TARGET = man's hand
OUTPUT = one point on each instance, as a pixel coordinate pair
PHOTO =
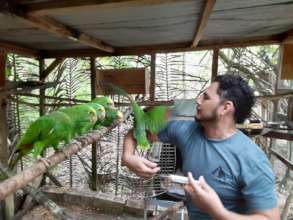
(140, 166)
(203, 196)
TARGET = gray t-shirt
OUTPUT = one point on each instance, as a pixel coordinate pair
(236, 168)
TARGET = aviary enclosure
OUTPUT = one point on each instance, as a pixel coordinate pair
(181, 45)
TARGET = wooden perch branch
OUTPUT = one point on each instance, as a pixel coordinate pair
(20, 180)
(38, 196)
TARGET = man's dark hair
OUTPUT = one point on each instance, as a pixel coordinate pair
(235, 88)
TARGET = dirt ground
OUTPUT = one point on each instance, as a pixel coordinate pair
(76, 213)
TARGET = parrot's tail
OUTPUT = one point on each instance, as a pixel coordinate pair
(118, 90)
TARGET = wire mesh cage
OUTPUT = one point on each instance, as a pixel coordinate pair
(164, 154)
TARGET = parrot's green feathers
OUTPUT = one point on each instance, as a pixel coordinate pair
(156, 118)
(100, 111)
(47, 131)
(83, 117)
(105, 101)
(111, 116)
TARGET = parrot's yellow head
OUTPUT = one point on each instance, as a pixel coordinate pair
(120, 116)
(93, 116)
(101, 114)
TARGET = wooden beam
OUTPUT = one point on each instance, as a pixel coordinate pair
(94, 144)
(276, 96)
(165, 48)
(287, 162)
(10, 47)
(215, 64)
(53, 26)
(52, 66)
(6, 207)
(2, 69)
(42, 109)
(280, 134)
(153, 77)
(43, 7)
(288, 36)
(207, 10)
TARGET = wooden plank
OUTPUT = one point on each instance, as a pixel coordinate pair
(166, 48)
(52, 66)
(215, 63)
(43, 7)
(53, 26)
(132, 80)
(287, 61)
(11, 47)
(207, 10)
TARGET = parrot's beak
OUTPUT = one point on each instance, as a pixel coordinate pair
(102, 114)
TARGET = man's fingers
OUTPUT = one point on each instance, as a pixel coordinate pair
(203, 183)
(150, 171)
(192, 181)
(149, 163)
(189, 189)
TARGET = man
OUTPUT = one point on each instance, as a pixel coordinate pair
(235, 178)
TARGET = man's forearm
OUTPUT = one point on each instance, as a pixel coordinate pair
(128, 146)
(266, 215)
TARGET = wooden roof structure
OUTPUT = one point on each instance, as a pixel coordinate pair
(80, 28)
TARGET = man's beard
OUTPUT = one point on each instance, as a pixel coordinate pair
(211, 118)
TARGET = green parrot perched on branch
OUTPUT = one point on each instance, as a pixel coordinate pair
(105, 101)
(101, 113)
(151, 121)
(83, 117)
(112, 113)
(48, 130)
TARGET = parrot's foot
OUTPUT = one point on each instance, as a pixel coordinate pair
(45, 161)
(77, 143)
(66, 154)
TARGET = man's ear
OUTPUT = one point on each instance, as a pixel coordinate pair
(228, 107)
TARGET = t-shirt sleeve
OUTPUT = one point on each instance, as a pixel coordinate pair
(258, 186)
(168, 134)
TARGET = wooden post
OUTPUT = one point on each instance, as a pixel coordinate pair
(7, 206)
(94, 145)
(153, 77)
(42, 109)
(215, 63)
(42, 91)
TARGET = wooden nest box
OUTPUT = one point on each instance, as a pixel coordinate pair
(132, 80)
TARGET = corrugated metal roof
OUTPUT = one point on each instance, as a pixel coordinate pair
(134, 24)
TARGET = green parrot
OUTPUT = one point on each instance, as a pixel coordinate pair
(112, 113)
(105, 101)
(111, 116)
(83, 117)
(152, 120)
(48, 130)
(101, 113)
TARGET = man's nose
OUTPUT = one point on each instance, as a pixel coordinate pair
(198, 100)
